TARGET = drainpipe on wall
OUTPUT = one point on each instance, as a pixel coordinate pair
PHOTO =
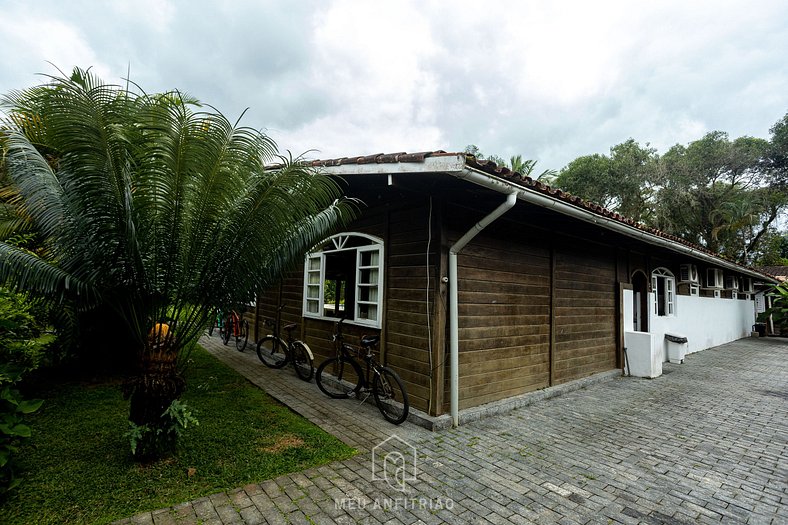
(454, 330)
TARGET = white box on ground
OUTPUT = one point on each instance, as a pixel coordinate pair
(643, 357)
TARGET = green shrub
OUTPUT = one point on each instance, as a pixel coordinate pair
(12, 424)
(779, 308)
(23, 348)
(23, 342)
(148, 442)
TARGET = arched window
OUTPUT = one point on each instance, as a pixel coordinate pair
(663, 284)
(343, 277)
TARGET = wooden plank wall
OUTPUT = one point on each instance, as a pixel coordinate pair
(405, 339)
(584, 289)
(504, 308)
(407, 306)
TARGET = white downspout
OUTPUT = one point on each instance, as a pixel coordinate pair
(454, 330)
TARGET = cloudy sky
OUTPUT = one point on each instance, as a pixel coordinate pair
(548, 80)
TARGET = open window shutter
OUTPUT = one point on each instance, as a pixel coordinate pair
(656, 295)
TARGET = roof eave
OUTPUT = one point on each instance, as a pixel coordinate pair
(455, 165)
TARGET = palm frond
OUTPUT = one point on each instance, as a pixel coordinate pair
(153, 204)
(24, 272)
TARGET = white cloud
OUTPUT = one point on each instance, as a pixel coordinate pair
(30, 41)
(551, 81)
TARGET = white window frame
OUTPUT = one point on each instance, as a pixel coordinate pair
(315, 265)
(669, 297)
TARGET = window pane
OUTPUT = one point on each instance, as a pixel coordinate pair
(661, 295)
(370, 258)
(314, 263)
(314, 278)
(312, 307)
(368, 276)
(313, 292)
(368, 293)
(368, 311)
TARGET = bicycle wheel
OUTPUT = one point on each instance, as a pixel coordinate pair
(338, 378)
(243, 336)
(390, 395)
(227, 330)
(272, 352)
(302, 360)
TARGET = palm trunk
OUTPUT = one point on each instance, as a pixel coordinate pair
(158, 384)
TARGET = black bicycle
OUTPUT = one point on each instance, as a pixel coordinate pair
(341, 377)
(275, 352)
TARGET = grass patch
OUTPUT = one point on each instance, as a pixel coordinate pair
(77, 467)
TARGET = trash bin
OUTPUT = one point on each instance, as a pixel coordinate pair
(760, 328)
(677, 347)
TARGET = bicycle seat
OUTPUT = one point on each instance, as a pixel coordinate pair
(369, 340)
(290, 327)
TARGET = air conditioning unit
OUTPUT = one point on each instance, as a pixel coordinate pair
(688, 273)
(694, 290)
(714, 279)
(745, 285)
(731, 282)
(734, 294)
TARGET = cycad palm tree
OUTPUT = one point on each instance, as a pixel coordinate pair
(526, 167)
(154, 209)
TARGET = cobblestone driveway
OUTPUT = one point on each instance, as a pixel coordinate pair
(705, 443)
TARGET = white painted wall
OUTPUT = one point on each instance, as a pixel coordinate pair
(705, 321)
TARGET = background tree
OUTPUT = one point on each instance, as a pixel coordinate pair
(715, 192)
(473, 149)
(776, 161)
(622, 181)
(152, 209)
(727, 195)
(525, 167)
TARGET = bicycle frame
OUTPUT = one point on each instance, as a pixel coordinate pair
(349, 351)
(276, 324)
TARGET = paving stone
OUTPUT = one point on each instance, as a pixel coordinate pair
(164, 517)
(704, 443)
(146, 518)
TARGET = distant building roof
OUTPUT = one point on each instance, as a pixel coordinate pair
(779, 272)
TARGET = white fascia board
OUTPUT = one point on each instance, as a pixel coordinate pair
(445, 164)
(546, 201)
(454, 165)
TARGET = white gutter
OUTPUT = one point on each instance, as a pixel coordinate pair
(454, 329)
(502, 186)
(455, 166)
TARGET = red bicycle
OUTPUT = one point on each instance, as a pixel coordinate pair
(235, 326)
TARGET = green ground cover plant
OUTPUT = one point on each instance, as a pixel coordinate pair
(77, 466)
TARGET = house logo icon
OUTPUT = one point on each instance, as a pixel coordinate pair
(394, 461)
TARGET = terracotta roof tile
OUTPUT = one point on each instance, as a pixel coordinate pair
(491, 168)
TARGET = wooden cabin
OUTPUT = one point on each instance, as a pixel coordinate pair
(544, 293)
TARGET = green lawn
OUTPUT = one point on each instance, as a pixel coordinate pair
(77, 466)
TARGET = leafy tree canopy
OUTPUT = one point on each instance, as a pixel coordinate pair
(724, 194)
